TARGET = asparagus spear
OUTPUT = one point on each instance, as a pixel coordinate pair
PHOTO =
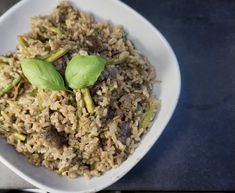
(23, 45)
(13, 132)
(80, 103)
(40, 103)
(56, 30)
(10, 86)
(122, 58)
(44, 57)
(147, 117)
(19, 136)
(6, 60)
(55, 55)
(88, 100)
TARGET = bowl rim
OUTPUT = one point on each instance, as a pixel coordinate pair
(166, 121)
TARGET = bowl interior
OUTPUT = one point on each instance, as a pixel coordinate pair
(150, 43)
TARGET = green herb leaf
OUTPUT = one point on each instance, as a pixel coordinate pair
(83, 71)
(42, 74)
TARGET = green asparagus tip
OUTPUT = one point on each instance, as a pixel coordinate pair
(23, 45)
(147, 117)
(57, 54)
(56, 30)
(88, 100)
(10, 86)
(121, 59)
(19, 136)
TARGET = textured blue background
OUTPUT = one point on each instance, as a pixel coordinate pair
(197, 149)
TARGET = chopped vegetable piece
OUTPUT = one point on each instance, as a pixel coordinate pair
(23, 45)
(121, 59)
(40, 103)
(80, 106)
(33, 93)
(10, 86)
(5, 116)
(19, 136)
(5, 59)
(64, 169)
(56, 30)
(88, 100)
(57, 54)
(44, 57)
(80, 103)
(12, 132)
(147, 117)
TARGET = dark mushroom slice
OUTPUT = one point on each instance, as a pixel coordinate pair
(55, 138)
(125, 132)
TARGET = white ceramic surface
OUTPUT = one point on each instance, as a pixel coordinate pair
(145, 37)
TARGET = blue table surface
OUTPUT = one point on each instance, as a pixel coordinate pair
(197, 149)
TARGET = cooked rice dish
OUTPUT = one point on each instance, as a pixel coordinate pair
(84, 131)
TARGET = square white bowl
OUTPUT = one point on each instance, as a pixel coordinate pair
(147, 40)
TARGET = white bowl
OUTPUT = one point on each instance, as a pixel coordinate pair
(146, 38)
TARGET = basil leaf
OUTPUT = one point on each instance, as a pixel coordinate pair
(83, 71)
(42, 74)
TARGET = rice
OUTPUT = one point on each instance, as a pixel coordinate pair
(47, 127)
